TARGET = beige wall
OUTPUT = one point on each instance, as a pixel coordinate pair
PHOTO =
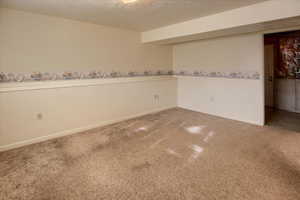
(226, 54)
(39, 43)
(287, 94)
(33, 42)
(73, 109)
(238, 99)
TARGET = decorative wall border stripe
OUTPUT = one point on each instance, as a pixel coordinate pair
(47, 76)
(229, 75)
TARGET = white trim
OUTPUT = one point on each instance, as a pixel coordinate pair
(224, 117)
(76, 130)
(22, 86)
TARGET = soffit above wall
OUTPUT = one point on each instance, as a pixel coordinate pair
(265, 16)
(141, 16)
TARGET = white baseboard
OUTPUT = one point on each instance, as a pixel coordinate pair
(225, 117)
(76, 130)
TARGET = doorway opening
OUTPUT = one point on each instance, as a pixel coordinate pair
(282, 80)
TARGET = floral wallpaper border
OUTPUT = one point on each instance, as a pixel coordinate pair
(47, 76)
(229, 75)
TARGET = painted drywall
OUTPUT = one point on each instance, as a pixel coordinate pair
(287, 94)
(238, 99)
(253, 18)
(74, 109)
(39, 43)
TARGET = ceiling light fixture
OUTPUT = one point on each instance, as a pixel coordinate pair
(129, 1)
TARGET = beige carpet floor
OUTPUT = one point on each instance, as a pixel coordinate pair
(174, 154)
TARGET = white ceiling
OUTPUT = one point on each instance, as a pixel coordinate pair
(143, 15)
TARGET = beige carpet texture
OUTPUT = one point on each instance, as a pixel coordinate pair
(171, 155)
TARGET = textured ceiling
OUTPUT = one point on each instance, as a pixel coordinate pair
(142, 15)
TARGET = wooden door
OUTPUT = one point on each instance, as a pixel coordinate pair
(269, 75)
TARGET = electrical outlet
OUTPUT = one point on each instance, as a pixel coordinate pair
(156, 97)
(39, 116)
(212, 99)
